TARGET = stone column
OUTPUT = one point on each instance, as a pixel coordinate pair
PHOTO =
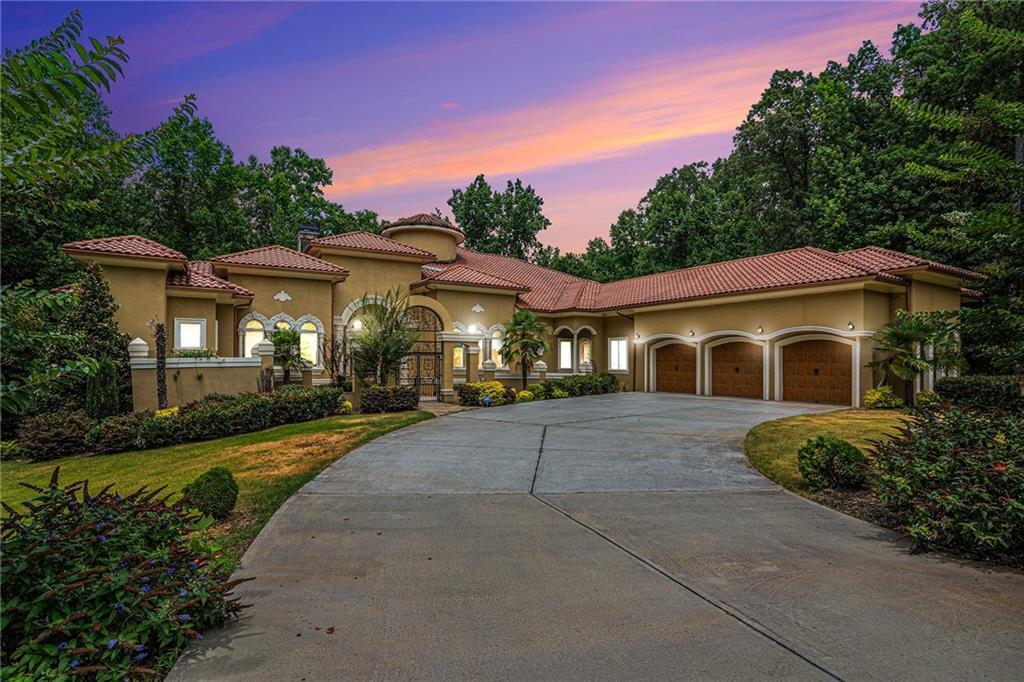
(472, 363)
(143, 379)
(586, 367)
(575, 353)
(264, 350)
(541, 368)
(447, 391)
(487, 369)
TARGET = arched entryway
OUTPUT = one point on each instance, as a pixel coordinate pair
(816, 369)
(422, 367)
(675, 368)
(736, 368)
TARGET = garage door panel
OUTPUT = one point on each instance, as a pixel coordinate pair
(818, 371)
(676, 368)
(737, 370)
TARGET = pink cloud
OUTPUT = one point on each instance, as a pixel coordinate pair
(450, 105)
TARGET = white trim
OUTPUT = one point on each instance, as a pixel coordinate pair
(559, 354)
(216, 336)
(280, 317)
(854, 361)
(201, 321)
(457, 236)
(742, 338)
(184, 363)
(612, 370)
(246, 319)
(845, 333)
(355, 305)
(560, 328)
(586, 327)
(459, 336)
(652, 362)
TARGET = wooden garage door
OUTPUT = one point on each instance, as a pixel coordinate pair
(676, 368)
(817, 371)
(737, 369)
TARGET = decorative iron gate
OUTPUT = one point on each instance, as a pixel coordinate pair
(422, 366)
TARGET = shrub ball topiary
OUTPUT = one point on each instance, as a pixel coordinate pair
(214, 493)
(99, 586)
(882, 397)
(955, 477)
(827, 461)
(54, 434)
(524, 397)
(1003, 392)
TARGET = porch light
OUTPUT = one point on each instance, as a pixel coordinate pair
(760, 330)
(691, 332)
(357, 325)
(849, 325)
(473, 329)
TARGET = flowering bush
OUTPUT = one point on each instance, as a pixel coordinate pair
(539, 391)
(557, 393)
(882, 397)
(104, 586)
(485, 394)
(955, 477)
(524, 397)
(827, 461)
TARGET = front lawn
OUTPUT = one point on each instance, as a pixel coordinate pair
(270, 466)
(771, 447)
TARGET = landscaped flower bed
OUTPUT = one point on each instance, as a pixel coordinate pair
(494, 393)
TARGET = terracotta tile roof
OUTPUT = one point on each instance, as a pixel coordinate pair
(367, 241)
(128, 245)
(199, 275)
(877, 259)
(422, 219)
(462, 274)
(281, 258)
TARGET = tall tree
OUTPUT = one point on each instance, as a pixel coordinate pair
(506, 222)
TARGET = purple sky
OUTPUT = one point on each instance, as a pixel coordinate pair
(589, 103)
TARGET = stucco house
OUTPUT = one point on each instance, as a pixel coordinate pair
(794, 325)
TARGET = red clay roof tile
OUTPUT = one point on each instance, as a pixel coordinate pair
(367, 241)
(129, 245)
(462, 274)
(199, 275)
(422, 219)
(877, 259)
(281, 258)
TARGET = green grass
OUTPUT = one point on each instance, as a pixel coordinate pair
(270, 467)
(771, 447)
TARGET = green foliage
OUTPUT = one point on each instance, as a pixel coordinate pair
(915, 343)
(525, 341)
(214, 493)
(10, 449)
(54, 434)
(195, 353)
(506, 222)
(883, 398)
(102, 397)
(387, 336)
(524, 397)
(955, 477)
(557, 393)
(827, 461)
(485, 394)
(539, 391)
(287, 353)
(1001, 392)
(585, 384)
(375, 399)
(926, 399)
(104, 586)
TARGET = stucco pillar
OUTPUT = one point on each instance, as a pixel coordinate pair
(447, 393)
(307, 378)
(586, 367)
(541, 368)
(575, 353)
(487, 369)
(264, 350)
(143, 379)
(472, 363)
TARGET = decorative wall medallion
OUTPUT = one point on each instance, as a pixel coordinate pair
(477, 308)
(282, 296)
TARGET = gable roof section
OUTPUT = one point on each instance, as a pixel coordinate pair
(877, 259)
(131, 246)
(422, 219)
(463, 274)
(199, 275)
(548, 290)
(373, 243)
(280, 258)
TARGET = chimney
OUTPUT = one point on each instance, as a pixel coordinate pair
(307, 233)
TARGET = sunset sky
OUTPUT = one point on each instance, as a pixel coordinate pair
(589, 103)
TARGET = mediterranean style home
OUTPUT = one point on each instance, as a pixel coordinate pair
(794, 325)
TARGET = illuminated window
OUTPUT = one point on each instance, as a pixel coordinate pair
(189, 333)
(282, 326)
(496, 344)
(309, 342)
(564, 354)
(458, 357)
(253, 334)
(585, 347)
(618, 355)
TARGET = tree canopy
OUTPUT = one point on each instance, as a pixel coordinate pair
(506, 222)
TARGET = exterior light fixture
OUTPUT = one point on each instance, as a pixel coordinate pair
(637, 335)
(473, 329)
(357, 325)
(849, 325)
(760, 330)
(691, 332)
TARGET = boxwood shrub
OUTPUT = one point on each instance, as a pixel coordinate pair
(213, 493)
(883, 398)
(99, 586)
(1003, 392)
(376, 399)
(830, 462)
(571, 386)
(955, 477)
(54, 434)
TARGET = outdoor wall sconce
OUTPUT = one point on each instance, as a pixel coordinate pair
(760, 330)
(637, 335)
(473, 329)
(691, 332)
(357, 325)
(849, 325)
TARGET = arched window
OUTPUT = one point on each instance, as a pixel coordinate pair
(586, 348)
(459, 356)
(282, 326)
(253, 332)
(496, 344)
(309, 343)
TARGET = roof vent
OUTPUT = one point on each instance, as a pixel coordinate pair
(307, 233)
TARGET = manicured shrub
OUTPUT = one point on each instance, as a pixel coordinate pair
(539, 391)
(882, 397)
(830, 462)
(927, 398)
(584, 384)
(105, 587)
(54, 434)
(1003, 392)
(214, 493)
(557, 393)
(116, 434)
(485, 394)
(524, 397)
(955, 477)
(102, 393)
(389, 399)
(10, 449)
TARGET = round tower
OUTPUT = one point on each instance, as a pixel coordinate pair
(427, 232)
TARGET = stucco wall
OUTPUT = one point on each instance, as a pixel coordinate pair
(191, 382)
(434, 241)
(308, 297)
(498, 308)
(227, 331)
(191, 308)
(140, 296)
(370, 276)
(925, 296)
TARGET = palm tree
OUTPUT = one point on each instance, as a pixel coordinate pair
(525, 342)
(915, 343)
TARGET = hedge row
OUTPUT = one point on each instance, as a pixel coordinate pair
(493, 393)
(376, 399)
(981, 391)
(60, 434)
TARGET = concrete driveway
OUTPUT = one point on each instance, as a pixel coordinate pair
(609, 537)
